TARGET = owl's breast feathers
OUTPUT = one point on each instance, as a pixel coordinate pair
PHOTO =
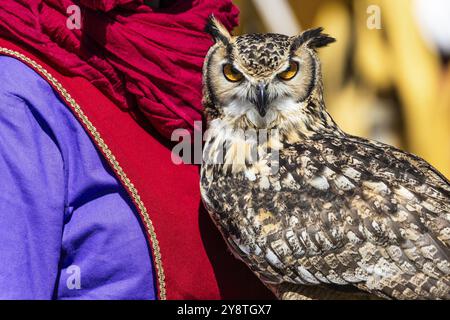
(339, 210)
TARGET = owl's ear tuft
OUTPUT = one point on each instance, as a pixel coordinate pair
(217, 30)
(313, 38)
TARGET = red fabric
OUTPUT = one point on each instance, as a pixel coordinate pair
(196, 263)
(137, 56)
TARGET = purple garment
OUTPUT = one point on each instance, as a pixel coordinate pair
(65, 220)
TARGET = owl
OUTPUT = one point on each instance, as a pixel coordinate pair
(313, 211)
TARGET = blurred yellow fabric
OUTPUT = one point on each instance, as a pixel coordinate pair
(383, 80)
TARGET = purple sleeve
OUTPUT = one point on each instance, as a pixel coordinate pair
(62, 210)
(31, 197)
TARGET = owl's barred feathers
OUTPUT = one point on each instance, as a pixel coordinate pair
(340, 210)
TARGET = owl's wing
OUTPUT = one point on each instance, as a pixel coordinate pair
(376, 217)
(429, 173)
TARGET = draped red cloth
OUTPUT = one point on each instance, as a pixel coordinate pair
(140, 57)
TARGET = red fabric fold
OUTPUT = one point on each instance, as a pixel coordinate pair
(139, 57)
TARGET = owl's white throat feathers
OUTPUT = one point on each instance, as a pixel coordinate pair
(236, 150)
(232, 139)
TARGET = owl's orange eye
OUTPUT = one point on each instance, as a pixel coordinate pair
(231, 74)
(290, 72)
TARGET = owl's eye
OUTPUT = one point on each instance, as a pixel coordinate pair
(231, 74)
(290, 72)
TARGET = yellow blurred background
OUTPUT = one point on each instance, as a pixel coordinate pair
(386, 77)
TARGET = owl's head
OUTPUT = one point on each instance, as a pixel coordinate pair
(263, 80)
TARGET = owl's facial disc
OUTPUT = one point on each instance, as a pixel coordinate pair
(258, 99)
(261, 99)
(263, 86)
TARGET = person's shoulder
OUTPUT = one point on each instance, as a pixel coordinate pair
(24, 91)
(16, 75)
(13, 67)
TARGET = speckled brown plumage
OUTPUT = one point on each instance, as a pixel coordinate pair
(339, 210)
(262, 53)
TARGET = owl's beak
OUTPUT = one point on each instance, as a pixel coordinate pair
(261, 98)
